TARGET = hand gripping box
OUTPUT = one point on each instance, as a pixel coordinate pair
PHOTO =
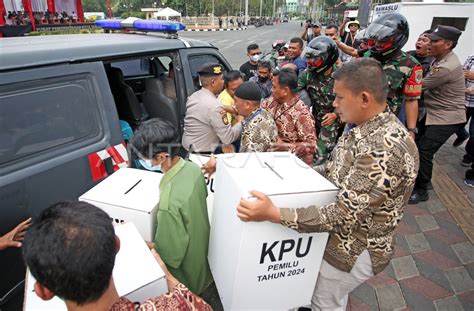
(262, 265)
(129, 195)
(137, 274)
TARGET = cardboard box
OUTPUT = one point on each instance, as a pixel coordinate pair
(129, 195)
(137, 274)
(200, 160)
(262, 265)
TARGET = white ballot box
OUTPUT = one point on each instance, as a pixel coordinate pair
(129, 195)
(200, 160)
(262, 265)
(137, 274)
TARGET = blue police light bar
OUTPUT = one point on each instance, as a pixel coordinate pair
(152, 25)
(140, 24)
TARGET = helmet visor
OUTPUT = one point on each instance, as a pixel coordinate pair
(379, 32)
(311, 53)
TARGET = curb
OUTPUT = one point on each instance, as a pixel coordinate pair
(214, 29)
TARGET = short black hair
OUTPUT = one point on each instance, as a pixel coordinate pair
(332, 26)
(364, 74)
(70, 249)
(426, 32)
(252, 46)
(265, 64)
(287, 78)
(232, 75)
(297, 40)
(155, 136)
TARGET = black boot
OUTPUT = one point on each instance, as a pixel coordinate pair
(418, 196)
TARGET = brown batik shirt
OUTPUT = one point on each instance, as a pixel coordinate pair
(259, 132)
(375, 166)
(295, 125)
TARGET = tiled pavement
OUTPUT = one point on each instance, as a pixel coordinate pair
(433, 266)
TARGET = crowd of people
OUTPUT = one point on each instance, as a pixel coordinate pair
(22, 18)
(356, 108)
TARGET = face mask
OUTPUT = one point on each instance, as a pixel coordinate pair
(148, 166)
(255, 58)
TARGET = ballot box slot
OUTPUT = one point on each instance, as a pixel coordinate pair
(131, 188)
(273, 170)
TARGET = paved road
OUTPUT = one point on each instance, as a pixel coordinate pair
(233, 44)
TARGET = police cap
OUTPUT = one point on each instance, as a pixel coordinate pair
(445, 32)
(210, 69)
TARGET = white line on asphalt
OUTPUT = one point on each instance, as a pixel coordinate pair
(260, 34)
(237, 41)
(222, 41)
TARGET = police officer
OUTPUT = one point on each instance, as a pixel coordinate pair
(321, 55)
(444, 101)
(204, 126)
(386, 37)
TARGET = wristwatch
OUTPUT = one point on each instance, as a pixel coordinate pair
(414, 130)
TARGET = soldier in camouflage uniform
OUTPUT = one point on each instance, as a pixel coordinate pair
(276, 56)
(387, 35)
(322, 54)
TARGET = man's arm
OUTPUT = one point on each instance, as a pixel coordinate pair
(359, 195)
(172, 238)
(411, 111)
(436, 77)
(226, 133)
(304, 34)
(306, 130)
(349, 50)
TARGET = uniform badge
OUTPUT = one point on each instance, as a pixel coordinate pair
(225, 119)
(418, 76)
(217, 70)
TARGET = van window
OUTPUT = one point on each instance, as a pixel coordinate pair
(458, 22)
(196, 61)
(134, 67)
(44, 115)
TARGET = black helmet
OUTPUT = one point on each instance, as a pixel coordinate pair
(321, 53)
(361, 40)
(391, 28)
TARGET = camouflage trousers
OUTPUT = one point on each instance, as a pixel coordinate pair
(327, 139)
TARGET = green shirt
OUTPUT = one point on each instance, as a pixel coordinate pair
(182, 234)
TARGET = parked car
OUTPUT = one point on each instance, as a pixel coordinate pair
(69, 105)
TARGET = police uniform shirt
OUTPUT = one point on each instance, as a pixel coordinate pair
(444, 92)
(204, 127)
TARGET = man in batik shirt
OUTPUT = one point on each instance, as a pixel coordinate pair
(295, 123)
(259, 129)
(374, 165)
(76, 236)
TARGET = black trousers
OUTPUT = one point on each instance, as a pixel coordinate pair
(430, 140)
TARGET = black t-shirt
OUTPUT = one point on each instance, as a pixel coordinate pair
(248, 70)
(348, 39)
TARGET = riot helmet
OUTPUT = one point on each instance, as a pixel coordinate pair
(321, 53)
(387, 35)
